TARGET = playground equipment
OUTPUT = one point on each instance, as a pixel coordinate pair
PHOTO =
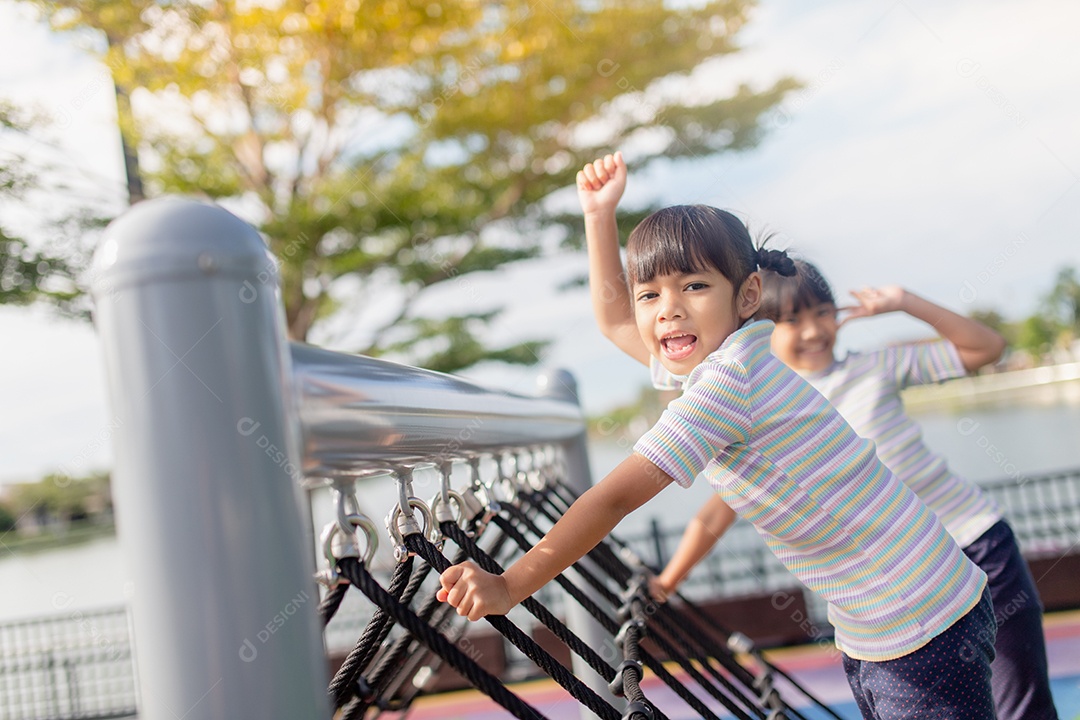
(222, 426)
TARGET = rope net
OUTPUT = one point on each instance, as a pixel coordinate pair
(410, 636)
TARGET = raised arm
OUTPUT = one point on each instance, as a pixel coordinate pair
(703, 532)
(476, 593)
(600, 185)
(976, 344)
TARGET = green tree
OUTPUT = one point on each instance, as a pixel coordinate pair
(41, 271)
(61, 496)
(7, 519)
(1036, 335)
(1063, 303)
(403, 144)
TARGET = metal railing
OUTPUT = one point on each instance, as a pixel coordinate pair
(222, 423)
(75, 665)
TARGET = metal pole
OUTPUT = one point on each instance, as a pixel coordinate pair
(560, 384)
(206, 480)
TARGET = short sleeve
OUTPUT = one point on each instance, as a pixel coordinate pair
(712, 414)
(662, 379)
(924, 363)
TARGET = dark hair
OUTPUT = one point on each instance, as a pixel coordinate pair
(780, 294)
(683, 239)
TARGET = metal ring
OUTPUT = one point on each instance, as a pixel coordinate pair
(454, 498)
(428, 528)
(329, 534)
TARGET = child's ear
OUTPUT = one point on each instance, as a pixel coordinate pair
(749, 298)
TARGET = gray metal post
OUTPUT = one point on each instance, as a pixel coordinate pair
(206, 457)
(560, 384)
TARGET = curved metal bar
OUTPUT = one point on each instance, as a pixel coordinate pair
(359, 413)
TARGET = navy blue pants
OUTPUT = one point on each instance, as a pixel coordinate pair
(946, 679)
(1020, 681)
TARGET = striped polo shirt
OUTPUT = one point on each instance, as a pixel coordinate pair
(784, 459)
(865, 388)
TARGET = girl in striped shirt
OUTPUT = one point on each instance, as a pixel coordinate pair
(911, 612)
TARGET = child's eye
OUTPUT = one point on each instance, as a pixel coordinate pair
(788, 319)
(826, 311)
(696, 286)
(646, 296)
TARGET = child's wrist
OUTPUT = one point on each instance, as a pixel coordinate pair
(600, 213)
(906, 301)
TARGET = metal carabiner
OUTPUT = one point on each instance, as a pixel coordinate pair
(401, 522)
(335, 549)
(441, 504)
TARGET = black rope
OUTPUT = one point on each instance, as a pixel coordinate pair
(609, 623)
(331, 602)
(487, 683)
(390, 666)
(653, 664)
(541, 613)
(404, 584)
(617, 569)
(581, 692)
(612, 626)
(708, 625)
(384, 670)
(628, 681)
(676, 630)
(679, 625)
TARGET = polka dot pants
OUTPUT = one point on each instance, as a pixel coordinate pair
(946, 679)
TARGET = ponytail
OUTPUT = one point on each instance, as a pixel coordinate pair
(777, 261)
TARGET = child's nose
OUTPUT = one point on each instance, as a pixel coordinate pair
(671, 309)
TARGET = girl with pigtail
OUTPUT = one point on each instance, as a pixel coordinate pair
(905, 602)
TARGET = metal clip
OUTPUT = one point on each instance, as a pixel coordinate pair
(339, 538)
(401, 521)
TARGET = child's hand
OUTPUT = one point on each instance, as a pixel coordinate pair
(874, 301)
(658, 590)
(601, 183)
(474, 592)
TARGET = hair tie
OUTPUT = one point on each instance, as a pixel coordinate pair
(777, 261)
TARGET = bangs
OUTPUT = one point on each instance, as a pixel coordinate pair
(667, 255)
(682, 239)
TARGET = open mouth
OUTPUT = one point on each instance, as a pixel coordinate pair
(678, 346)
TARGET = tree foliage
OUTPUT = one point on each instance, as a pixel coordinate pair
(1056, 322)
(405, 143)
(61, 496)
(33, 271)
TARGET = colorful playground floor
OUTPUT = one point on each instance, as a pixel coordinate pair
(815, 667)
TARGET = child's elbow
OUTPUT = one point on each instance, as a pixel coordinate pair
(988, 354)
(998, 348)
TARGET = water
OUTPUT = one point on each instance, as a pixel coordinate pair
(986, 444)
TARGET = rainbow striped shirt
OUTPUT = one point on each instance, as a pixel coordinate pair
(865, 388)
(784, 459)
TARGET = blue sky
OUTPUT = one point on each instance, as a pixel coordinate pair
(933, 146)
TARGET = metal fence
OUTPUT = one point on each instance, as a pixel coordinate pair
(76, 665)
